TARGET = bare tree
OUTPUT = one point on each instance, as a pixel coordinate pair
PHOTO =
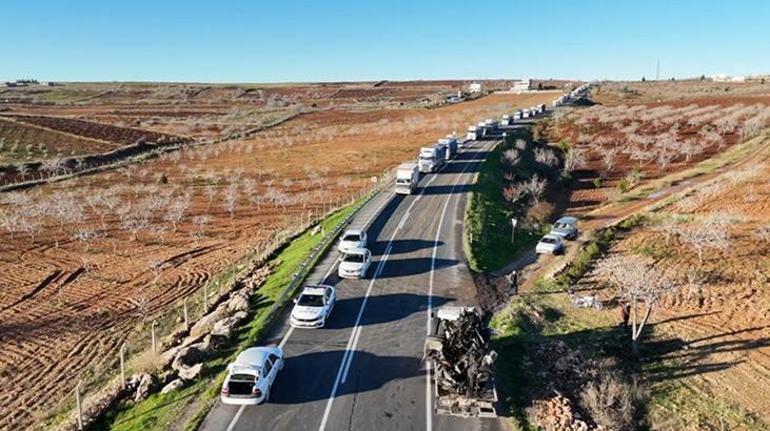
(638, 282)
(199, 222)
(608, 157)
(574, 158)
(535, 187)
(546, 157)
(510, 157)
(176, 209)
(712, 233)
(762, 233)
(230, 201)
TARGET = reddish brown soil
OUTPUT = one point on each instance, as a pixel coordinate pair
(44, 143)
(718, 328)
(67, 321)
(104, 132)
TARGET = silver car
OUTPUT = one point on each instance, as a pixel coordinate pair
(565, 227)
(550, 244)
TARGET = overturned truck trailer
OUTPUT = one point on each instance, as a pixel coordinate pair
(463, 364)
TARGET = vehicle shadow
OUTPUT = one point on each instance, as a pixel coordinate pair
(310, 377)
(412, 266)
(405, 245)
(380, 309)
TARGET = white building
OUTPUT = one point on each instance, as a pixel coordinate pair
(474, 88)
(522, 85)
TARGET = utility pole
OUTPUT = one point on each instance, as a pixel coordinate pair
(123, 366)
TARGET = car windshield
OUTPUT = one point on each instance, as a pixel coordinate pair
(562, 226)
(426, 157)
(351, 257)
(548, 240)
(306, 300)
(402, 180)
(352, 237)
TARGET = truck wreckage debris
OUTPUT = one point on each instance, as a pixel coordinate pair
(463, 363)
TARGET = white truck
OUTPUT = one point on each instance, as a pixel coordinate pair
(506, 120)
(482, 126)
(474, 133)
(451, 146)
(491, 125)
(407, 177)
(462, 363)
(431, 158)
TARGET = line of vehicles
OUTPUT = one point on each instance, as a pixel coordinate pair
(251, 376)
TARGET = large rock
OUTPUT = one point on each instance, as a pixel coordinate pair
(192, 373)
(147, 382)
(239, 301)
(214, 342)
(188, 356)
(167, 357)
(206, 322)
(172, 386)
(224, 327)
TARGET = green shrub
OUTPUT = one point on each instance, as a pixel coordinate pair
(598, 183)
(623, 185)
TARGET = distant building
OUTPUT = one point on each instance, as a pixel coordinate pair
(721, 77)
(522, 85)
(474, 88)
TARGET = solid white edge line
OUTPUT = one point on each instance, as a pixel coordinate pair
(428, 385)
(235, 418)
(286, 337)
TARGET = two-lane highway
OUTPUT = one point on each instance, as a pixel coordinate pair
(364, 370)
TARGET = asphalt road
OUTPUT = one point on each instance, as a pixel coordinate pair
(363, 371)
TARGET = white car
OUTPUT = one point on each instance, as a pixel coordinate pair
(352, 238)
(355, 263)
(551, 244)
(251, 376)
(312, 307)
(565, 227)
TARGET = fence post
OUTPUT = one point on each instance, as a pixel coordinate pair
(79, 406)
(154, 342)
(186, 315)
(205, 298)
(123, 366)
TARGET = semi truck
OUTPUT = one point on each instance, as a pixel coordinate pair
(407, 177)
(458, 349)
(451, 146)
(506, 120)
(431, 158)
(491, 125)
(474, 133)
(482, 126)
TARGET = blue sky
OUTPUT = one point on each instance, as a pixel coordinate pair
(258, 41)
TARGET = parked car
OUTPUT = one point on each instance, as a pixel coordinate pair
(565, 227)
(355, 263)
(312, 307)
(251, 376)
(352, 238)
(552, 244)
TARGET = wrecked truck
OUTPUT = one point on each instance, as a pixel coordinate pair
(463, 363)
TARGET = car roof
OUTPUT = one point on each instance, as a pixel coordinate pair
(557, 237)
(567, 219)
(353, 232)
(357, 250)
(254, 356)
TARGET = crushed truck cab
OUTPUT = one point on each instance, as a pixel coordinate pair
(463, 363)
